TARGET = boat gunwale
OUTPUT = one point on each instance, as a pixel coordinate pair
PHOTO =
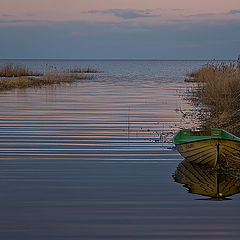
(206, 139)
(181, 139)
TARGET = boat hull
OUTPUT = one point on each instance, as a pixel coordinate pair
(209, 152)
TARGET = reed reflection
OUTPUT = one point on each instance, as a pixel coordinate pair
(218, 185)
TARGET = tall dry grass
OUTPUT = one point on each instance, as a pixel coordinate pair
(218, 86)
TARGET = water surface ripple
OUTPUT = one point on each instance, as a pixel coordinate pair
(94, 159)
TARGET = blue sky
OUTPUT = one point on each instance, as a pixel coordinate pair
(156, 33)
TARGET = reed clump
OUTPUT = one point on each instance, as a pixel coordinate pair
(24, 82)
(84, 70)
(21, 77)
(11, 70)
(218, 87)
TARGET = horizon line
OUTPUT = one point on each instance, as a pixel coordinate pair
(117, 59)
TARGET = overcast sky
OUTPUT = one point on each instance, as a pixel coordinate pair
(158, 29)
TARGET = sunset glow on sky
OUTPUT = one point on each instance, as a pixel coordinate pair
(93, 24)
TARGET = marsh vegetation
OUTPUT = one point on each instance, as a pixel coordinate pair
(19, 76)
(217, 88)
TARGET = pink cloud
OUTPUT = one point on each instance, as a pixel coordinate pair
(135, 11)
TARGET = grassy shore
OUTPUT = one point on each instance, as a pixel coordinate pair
(218, 89)
(18, 76)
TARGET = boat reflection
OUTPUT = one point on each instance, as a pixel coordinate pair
(218, 185)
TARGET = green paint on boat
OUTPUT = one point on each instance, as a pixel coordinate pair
(187, 135)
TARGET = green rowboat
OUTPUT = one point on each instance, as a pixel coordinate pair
(207, 147)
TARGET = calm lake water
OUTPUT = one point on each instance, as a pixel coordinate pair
(95, 159)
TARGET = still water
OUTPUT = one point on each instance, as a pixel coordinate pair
(95, 159)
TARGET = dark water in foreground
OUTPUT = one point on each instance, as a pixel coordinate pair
(94, 159)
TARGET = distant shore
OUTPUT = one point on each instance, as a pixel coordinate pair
(216, 90)
(19, 76)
